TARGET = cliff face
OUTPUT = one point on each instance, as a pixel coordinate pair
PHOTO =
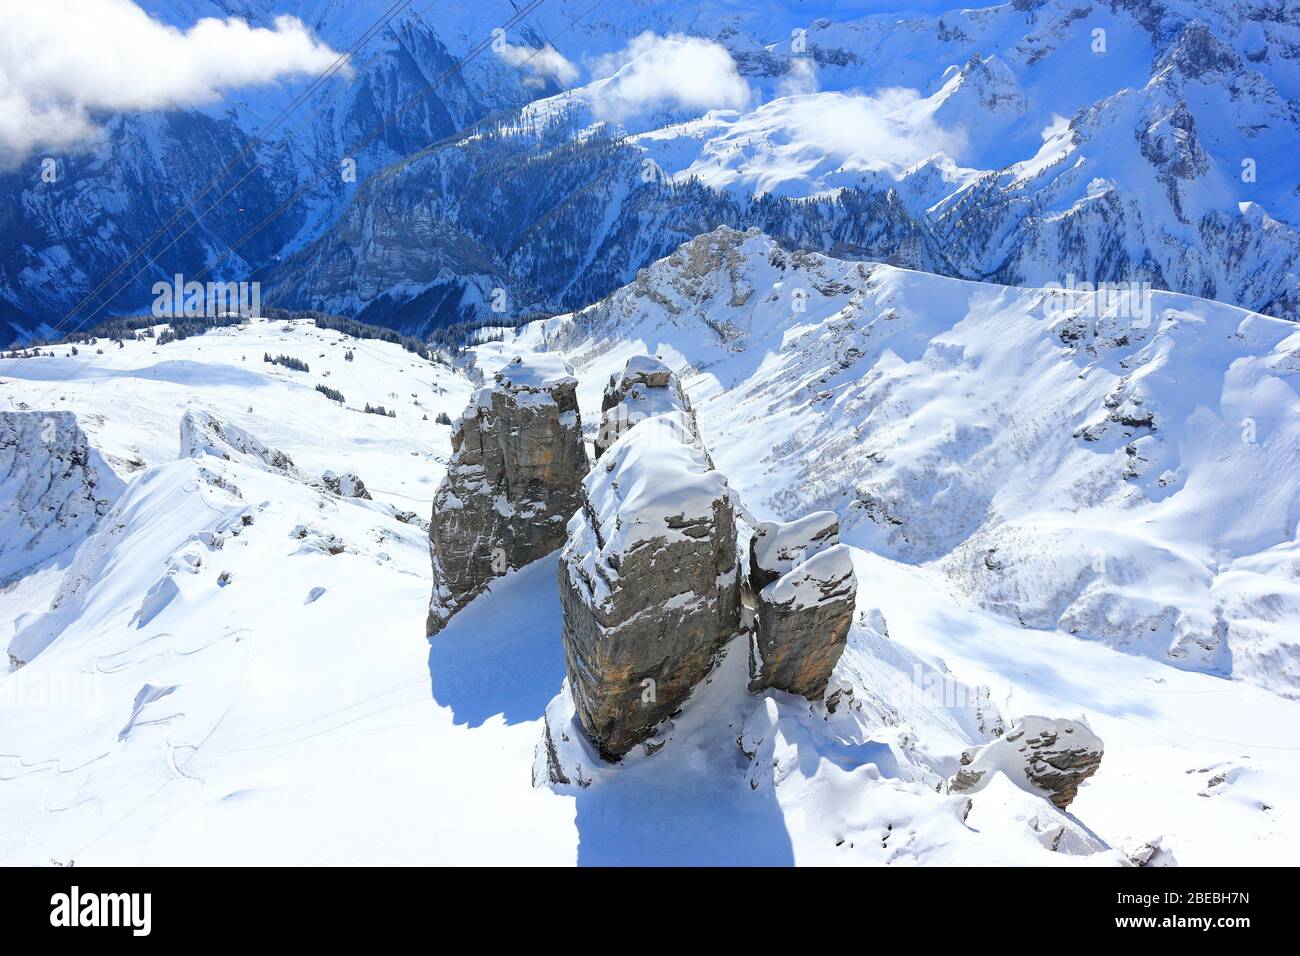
(513, 482)
(648, 577)
(804, 591)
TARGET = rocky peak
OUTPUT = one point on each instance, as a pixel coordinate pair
(512, 484)
(646, 389)
(705, 268)
(1196, 53)
(992, 81)
(647, 370)
(648, 577)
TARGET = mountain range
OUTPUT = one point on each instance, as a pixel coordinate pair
(707, 433)
(1028, 143)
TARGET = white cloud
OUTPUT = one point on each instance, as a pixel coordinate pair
(678, 71)
(542, 62)
(889, 129)
(64, 61)
(801, 79)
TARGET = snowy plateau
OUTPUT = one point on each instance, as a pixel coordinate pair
(1062, 537)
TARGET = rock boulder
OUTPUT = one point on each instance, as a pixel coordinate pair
(777, 546)
(346, 485)
(1053, 757)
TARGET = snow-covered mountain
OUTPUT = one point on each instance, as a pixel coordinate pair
(1021, 143)
(1053, 508)
(1056, 461)
(404, 92)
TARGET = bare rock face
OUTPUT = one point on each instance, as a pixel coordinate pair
(646, 389)
(1052, 757)
(648, 578)
(805, 594)
(513, 482)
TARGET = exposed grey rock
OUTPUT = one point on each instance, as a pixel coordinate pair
(411, 518)
(1051, 756)
(548, 768)
(346, 485)
(648, 580)
(315, 539)
(1153, 853)
(564, 757)
(806, 592)
(512, 484)
(645, 389)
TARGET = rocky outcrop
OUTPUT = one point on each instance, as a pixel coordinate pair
(513, 482)
(646, 389)
(1052, 757)
(346, 485)
(54, 488)
(649, 576)
(202, 433)
(804, 591)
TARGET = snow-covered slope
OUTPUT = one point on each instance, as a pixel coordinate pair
(231, 663)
